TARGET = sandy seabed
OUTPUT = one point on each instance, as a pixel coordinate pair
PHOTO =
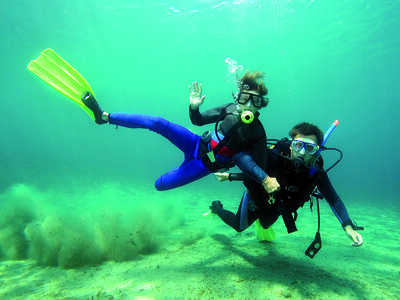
(202, 258)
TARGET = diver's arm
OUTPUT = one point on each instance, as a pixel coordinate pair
(232, 176)
(260, 150)
(207, 117)
(339, 209)
(246, 163)
(326, 188)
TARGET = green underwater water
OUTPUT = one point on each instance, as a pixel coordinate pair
(324, 60)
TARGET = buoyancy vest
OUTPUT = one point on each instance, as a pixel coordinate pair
(239, 137)
(296, 185)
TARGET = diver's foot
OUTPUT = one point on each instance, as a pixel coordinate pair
(90, 101)
(215, 205)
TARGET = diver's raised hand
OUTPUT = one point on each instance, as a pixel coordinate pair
(196, 99)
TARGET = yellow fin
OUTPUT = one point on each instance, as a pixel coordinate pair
(264, 234)
(55, 71)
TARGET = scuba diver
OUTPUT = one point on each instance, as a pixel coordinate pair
(237, 126)
(212, 151)
(296, 165)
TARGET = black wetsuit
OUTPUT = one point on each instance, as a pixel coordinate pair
(296, 188)
(240, 136)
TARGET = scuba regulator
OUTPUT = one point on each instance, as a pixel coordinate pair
(247, 116)
(298, 163)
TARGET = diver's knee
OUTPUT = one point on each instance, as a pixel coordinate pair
(158, 185)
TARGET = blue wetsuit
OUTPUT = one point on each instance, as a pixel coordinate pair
(296, 188)
(196, 163)
(192, 167)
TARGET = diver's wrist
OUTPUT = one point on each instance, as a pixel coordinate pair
(347, 228)
(104, 116)
(347, 224)
(194, 106)
(264, 181)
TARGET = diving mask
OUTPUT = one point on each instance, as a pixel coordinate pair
(310, 148)
(245, 97)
